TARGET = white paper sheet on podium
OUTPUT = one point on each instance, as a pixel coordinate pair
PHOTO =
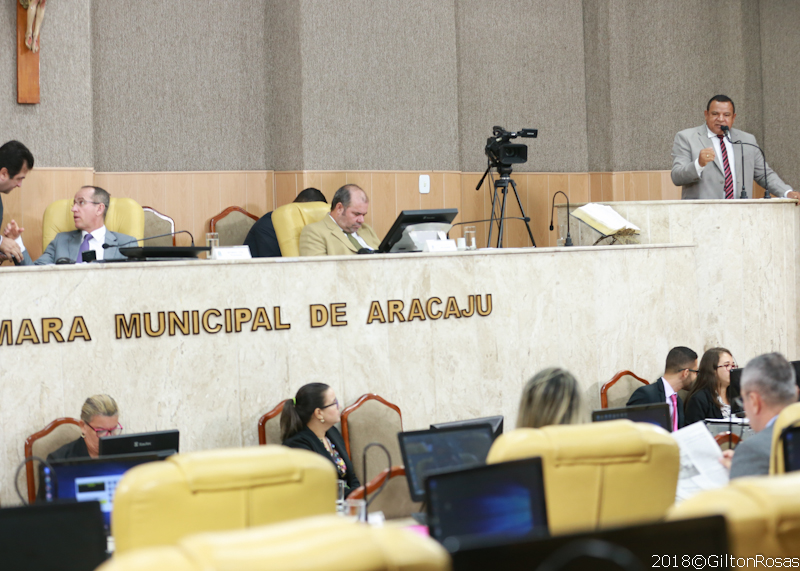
(701, 468)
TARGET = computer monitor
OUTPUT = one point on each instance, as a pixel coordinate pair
(68, 537)
(427, 452)
(702, 540)
(162, 441)
(496, 422)
(411, 217)
(657, 414)
(791, 448)
(487, 505)
(736, 379)
(796, 365)
(95, 479)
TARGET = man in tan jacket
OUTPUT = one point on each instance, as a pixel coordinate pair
(343, 231)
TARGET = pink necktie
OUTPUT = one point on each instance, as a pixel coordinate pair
(728, 175)
(674, 398)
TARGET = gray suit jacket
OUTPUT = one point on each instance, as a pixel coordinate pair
(686, 148)
(751, 457)
(67, 244)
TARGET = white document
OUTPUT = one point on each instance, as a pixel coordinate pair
(608, 219)
(701, 468)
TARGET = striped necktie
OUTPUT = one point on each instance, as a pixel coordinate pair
(674, 398)
(727, 168)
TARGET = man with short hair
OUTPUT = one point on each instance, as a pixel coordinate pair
(261, 238)
(15, 162)
(89, 209)
(680, 372)
(768, 386)
(708, 164)
(343, 231)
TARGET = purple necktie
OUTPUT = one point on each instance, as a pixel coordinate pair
(728, 175)
(674, 398)
(84, 248)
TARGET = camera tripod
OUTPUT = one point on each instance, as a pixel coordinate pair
(501, 184)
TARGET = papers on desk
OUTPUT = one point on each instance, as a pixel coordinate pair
(734, 421)
(700, 465)
(603, 218)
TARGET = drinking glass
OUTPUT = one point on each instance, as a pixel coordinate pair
(212, 241)
(470, 232)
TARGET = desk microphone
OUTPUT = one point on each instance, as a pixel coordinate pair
(726, 130)
(568, 241)
(106, 246)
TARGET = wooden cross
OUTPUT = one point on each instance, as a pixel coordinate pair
(27, 63)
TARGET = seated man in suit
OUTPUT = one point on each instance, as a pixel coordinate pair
(89, 210)
(768, 386)
(708, 164)
(261, 238)
(343, 231)
(679, 373)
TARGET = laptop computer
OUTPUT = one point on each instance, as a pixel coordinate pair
(427, 452)
(657, 414)
(487, 505)
(496, 422)
(160, 441)
(68, 537)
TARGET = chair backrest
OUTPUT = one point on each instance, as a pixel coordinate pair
(623, 383)
(395, 500)
(790, 416)
(601, 474)
(124, 216)
(52, 437)
(232, 225)
(762, 513)
(371, 419)
(290, 219)
(156, 224)
(269, 426)
(160, 502)
(324, 543)
(727, 439)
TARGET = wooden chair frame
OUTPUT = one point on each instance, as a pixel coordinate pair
(361, 400)
(29, 451)
(377, 482)
(262, 422)
(729, 437)
(224, 213)
(613, 381)
(163, 217)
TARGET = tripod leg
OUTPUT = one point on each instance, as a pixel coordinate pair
(502, 216)
(492, 218)
(522, 210)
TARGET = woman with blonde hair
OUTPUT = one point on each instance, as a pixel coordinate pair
(99, 417)
(550, 397)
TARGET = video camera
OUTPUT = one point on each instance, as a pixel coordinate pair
(502, 152)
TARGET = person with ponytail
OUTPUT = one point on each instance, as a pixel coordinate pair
(307, 423)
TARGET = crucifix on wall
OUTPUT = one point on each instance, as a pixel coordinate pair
(30, 14)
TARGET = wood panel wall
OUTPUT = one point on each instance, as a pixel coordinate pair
(192, 198)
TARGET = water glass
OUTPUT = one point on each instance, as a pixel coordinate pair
(356, 510)
(212, 241)
(470, 232)
(340, 496)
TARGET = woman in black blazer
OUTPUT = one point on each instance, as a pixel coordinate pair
(710, 395)
(307, 422)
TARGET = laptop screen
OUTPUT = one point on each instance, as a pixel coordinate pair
(488, 505)
(95, 479)
(427, 452)
(791, 449)
(657, 414)
(160, 441)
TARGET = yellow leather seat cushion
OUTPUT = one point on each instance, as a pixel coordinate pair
(290, 219)
(601, 474)
(124, 215)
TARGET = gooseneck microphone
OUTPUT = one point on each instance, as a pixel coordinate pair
(727, 132)
(106, 246)
(568, 241)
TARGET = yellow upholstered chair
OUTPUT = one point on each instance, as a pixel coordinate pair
(124, 215)
(52, 437)
(232, 225)
(601, 474)
(324, 543)
(290, 219)
(762, 514)
(160, 502)
(790, 416)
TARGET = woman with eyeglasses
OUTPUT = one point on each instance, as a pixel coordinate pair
(710, 395)
(99, 417)
(307, 422)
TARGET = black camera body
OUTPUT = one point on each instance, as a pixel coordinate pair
(501, 151)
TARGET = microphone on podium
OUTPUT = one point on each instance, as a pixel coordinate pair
(106, 246)
(568, 241)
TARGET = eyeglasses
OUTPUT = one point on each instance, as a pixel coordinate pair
(81, 202)
(105, 432)
(691, 370)
(335, 402)
(729, 366)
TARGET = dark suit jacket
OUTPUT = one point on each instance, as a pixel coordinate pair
(75, 449)
(701, 406)
(262, 240)
(307, 440)
(652, 394)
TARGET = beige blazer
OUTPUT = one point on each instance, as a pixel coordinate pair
(325, 238)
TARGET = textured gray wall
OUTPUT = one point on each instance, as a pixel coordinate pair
(521, 65)
(179, 85)
(59, 129)
(651, 66)
(379, 85)
(780, 44)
